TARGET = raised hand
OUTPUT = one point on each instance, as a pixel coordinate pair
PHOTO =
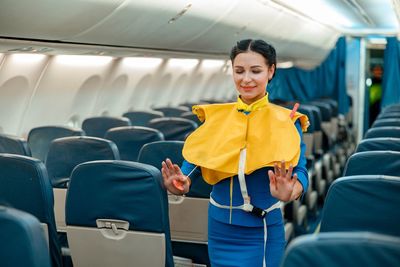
(282, 184)
(174, 180)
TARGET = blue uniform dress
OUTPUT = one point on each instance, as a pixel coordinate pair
(236, 237)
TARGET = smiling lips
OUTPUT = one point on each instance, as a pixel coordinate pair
(247, 88)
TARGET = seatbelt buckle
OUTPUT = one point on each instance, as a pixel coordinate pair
(258, 212)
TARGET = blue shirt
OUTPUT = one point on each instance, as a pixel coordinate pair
(258, 189)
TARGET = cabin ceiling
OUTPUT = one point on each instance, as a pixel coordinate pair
(206, 27)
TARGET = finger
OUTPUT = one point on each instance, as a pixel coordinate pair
(290, 171)
(276, 170)
(166, 169)
(272, 179)
(177, 170)
(169, 164)
(295, 178)
(283, 168)
(164, 174)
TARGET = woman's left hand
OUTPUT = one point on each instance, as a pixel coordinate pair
(281, 182)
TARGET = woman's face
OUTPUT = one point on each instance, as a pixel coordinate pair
(251, 75)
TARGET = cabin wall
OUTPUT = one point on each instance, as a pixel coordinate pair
(38, 90)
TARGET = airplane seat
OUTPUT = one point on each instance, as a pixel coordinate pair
(25, 185)
(39, 138)
(141, 118)
(343, 249)
(188, 215)
(373, 162)
(363, 203)
(130, 139)
(386, 131)
(388, 115)
(64, 155)
(172, 111)
(391, 108)
(190, 116)
(173, 128)
(98, 126)
(125, 219)
(394, 122)
(379, 143)
(14, 145)
(22, 240)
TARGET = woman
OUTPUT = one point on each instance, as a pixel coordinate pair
(248, 151)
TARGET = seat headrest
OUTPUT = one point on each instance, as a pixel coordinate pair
(363, 203)
(343, 249)
(173, 128)
(154, 153)
(379, 143)
(141, 118)
(22, 240)
(14, 145)
(98, 126)
(39, 138)
(385, 131)
(130, 139)
(373, 162)
(67, 152)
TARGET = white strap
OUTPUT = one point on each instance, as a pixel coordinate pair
(242, 182)
(277, 205)
(265, 240)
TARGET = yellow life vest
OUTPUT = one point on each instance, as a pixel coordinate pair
(268, 133)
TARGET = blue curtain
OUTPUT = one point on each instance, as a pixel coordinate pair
(391, 73)
(326, 80)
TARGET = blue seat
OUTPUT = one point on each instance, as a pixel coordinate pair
(141, 118)
(389, 115)
(130, 139)
(373, 162)
(125, 219)
(380, 143)
(387, 122)
(391, 108)
(173, 128)
(188, 215)
(98, 126)
(14, 145)
(22, 240)
(343, 249)
(67, 152)
(190, 116)
(363, 203)
(39, 138)
(25, 185)
(385, 131)
(172, 111)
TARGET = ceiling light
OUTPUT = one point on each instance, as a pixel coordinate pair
(142, 62)
(83, 60)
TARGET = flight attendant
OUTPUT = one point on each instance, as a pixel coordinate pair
(252, 152)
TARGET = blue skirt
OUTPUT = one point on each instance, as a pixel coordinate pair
(240, 246)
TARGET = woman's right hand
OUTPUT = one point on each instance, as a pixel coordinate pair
(171, 172)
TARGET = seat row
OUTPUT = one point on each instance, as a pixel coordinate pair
(359, 225)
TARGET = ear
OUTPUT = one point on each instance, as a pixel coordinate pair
(271, 71)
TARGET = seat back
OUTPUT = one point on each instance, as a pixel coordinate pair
(343, 249)
(363, 203)
(124, 221)
(141, 118)
(24, 184)
(67, 152)
(40, 138)
(154, 153)
(385, 131)
(22, 240)
(14, 145)
(387, 122)
(173, 128)
(172, 111)
(98, 126)
(373, 162)
(380, 143)
(130, 139)
(308, 137)
(389, 115)
(190, 116)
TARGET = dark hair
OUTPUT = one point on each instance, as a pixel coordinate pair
(259, 46)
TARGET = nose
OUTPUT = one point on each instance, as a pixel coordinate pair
(246, 77)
